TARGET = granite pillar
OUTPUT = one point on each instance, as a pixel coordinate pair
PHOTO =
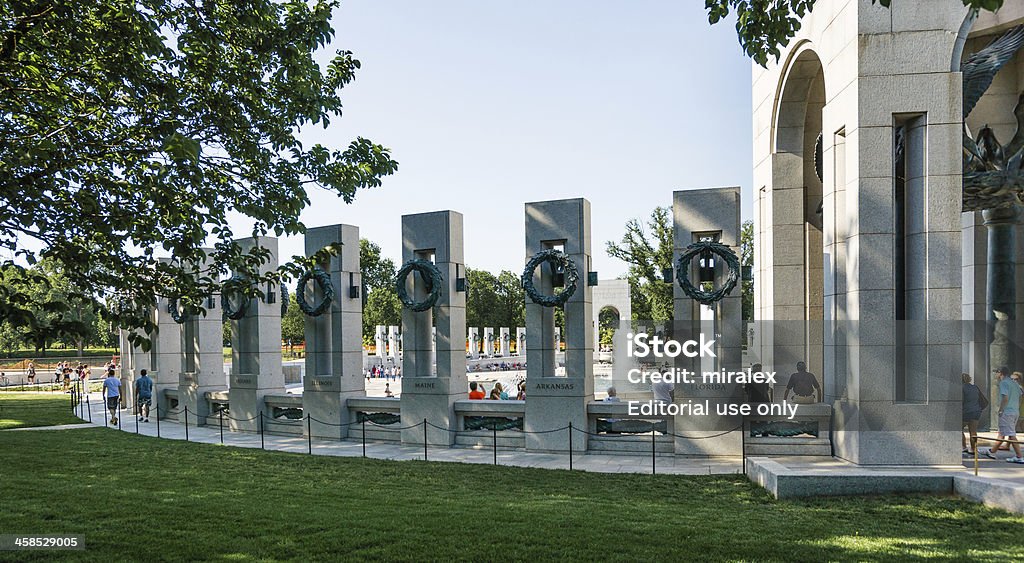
(708, 214)
(552, 401)
(429, 391)
(505, 338)
(202, 358)
(334, 339)
(256, 349)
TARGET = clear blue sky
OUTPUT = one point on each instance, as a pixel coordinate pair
(487, 105)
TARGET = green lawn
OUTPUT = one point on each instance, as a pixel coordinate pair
(25, 409)
(95, 385)
(139, 498)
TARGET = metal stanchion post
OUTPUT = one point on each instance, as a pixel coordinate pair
(262, 446)
(220, 420)
(975, 459)
(494, 439)
(743, 446)
(158, 419)
(570, 446)
(424, 439)
(364, 436)
(653, 450)
(118, 414)
(186, 422)
(88, 406)
(309, 433)
(136, 424)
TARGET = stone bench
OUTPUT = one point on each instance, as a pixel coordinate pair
(284, 414)
(171, 400)
(380, 414)
(806, 435)
(217, 401)
(474, 420)
(619, 432)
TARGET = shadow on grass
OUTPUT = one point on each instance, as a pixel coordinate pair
(26, 410)
(198, 501)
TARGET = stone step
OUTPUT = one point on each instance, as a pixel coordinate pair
(629, 444)
(473, 440)
(375, 435)
(788, 447)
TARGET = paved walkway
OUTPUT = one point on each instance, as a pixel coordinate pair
(601, 463)
(588, 461)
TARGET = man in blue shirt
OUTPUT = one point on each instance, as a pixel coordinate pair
(1008, 404)
(143, 395)
(112, 391)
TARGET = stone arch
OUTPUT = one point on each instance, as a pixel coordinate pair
(607, 317)
(614, 294)
(791, 247)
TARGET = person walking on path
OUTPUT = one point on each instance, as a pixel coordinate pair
(973, 403)
(1018, 377)
(1008, 404)
(112, 391)
(143, 395)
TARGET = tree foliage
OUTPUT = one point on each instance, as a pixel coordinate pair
(647, 248)
(747, 260)
(765, 26)
(608, 322)
(55, 310)
(382, 306)
(293, 323)
(494, 300)
(138, 127)
(376, 270)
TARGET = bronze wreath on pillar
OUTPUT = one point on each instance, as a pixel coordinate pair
(431, 276)
(557, 259)
(234, 285)
(321, 278)
(706, 248)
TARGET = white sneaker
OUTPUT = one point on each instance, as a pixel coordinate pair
(1015, 460)
(988, 453)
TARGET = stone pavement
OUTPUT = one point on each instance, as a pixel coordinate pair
(594, 462)
(998, 484)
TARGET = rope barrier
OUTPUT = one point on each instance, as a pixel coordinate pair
(285, 423)
(544, 431)
(250, 419)
(432, 425)
(85, 409)
(740, 427)
(417, 425)
(331, 423)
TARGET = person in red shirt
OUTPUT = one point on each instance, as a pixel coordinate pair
(475, 392)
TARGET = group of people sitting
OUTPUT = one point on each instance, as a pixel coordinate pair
(502, 366)
(498, 392)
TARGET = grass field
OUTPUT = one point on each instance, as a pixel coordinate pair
(49, 388)
(139, 498)
(23, 410)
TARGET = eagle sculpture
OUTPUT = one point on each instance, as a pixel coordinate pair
(992, 172)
